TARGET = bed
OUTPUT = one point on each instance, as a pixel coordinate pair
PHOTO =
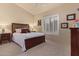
(26, 40)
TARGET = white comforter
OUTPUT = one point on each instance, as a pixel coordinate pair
(19, 38)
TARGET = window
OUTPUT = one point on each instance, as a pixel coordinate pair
(50, 24)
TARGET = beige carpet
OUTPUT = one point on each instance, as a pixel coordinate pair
(44, 49)
(10, 49)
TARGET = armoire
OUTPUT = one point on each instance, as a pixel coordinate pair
(74, 41)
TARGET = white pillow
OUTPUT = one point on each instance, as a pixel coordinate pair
(18, 30)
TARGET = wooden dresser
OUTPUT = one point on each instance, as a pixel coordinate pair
(5, 37)
(74, 41)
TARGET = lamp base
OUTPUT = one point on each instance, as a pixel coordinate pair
(3, 30)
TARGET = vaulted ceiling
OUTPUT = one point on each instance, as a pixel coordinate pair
(37, 8)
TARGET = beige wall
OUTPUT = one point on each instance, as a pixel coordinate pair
(63, 10)
(11, 13)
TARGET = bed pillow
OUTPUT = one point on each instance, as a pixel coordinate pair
(18, 30)
(25, 30)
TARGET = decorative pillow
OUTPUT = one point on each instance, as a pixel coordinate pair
(25, 30)
(18, 30)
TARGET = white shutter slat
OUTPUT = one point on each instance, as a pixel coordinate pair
(51, 24)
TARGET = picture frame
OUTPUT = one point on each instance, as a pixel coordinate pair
(64, 25)
(39, 22)
(71, 17)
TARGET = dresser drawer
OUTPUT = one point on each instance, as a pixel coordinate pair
(5, 35)
(5, 38)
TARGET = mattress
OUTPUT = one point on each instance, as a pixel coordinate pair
(20, 38)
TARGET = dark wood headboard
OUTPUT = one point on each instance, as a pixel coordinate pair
(18, 25)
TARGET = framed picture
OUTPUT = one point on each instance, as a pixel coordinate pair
(39, 22)
(71, 17)
(64, 25)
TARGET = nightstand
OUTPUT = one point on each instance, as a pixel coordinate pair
(5, 37)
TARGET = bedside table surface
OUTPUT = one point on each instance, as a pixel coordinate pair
(5, 33)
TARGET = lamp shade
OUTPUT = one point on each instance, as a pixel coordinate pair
(5, 28)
